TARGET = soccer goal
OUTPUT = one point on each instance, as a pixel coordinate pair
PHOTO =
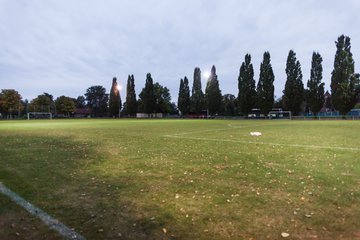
(39, 115)
(280, 115)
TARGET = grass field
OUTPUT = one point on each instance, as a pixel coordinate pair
(183, 179)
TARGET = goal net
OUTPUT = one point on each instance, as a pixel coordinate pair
(280, 115)
(39, 115)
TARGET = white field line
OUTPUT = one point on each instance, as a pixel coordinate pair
(231, 127)
(53, 223)
(265, 143)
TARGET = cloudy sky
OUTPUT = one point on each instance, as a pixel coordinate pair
(64, 46)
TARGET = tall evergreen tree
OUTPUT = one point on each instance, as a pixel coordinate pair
(315, 93)
(213, 93)
(184, 96)
(131, 103)
(345, 83)
(265, 86)
(246, 86)
(147, 96)
(115, 99)
(197, 95)
(294, 88)
(180, 97)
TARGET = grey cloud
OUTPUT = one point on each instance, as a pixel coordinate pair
(63, 47)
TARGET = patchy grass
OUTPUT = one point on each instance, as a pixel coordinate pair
(187, 179)
(16, 223)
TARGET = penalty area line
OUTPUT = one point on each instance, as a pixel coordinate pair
(51, 222)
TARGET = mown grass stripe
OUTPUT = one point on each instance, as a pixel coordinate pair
(53, 223)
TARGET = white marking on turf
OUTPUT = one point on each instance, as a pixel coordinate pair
(53, 223)
(265, 143)
(230, 127)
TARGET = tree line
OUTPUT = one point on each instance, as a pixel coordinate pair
(155, 98)
(345, 87)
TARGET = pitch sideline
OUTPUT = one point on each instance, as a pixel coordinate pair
(53, 223)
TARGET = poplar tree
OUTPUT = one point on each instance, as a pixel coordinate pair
(115, 100)
(315, 88)
(294, 88)
(345, 83)
(180, 97)
(213, 93)
(197, 96)
(246, 86)
(131, 103)
(265, 86)
(147, 96)
(184, 96)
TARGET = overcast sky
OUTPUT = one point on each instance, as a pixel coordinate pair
(65, 46)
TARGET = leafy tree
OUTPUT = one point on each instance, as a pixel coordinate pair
(163, 99)
(42, 103)
(246, 86)
(147, 96)
(131, 103)
(213, 93)
(229, 104)
(51, 97)
(115, 99)
(97, 100)
(294, 88)
(10, 102)
(80, 102)
(315, 93)
(357, 105)
(197, 101)
(265, 86)
(345, 83)
(184, 97)
(65, 105)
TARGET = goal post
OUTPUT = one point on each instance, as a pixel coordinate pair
(280, 115)
(39, 115)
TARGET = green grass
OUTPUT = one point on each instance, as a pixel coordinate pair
(186, 179)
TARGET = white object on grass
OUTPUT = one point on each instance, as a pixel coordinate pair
(256, 134)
